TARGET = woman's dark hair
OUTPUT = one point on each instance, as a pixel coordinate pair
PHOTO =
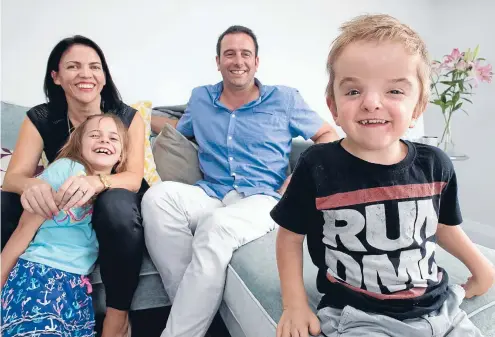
(55, 95)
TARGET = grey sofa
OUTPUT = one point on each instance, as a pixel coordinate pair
(252, 303)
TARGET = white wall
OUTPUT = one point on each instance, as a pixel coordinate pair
(159, 50)
(461, 26)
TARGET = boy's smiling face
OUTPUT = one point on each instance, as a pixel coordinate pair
(376, 92)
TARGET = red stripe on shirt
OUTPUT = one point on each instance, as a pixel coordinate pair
(376, 194)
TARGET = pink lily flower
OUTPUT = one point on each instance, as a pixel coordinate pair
(436, 68)
(453, 57)
(480, 73)
(484, 73)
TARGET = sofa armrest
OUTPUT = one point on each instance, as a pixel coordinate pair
(299, 145)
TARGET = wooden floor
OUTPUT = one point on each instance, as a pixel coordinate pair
(151, 322)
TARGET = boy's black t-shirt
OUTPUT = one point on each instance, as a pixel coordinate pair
(371, 228)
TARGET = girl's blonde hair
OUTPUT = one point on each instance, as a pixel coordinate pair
(73, 148)
(380, 28)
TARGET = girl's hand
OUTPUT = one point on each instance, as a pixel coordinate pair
(76, 191)
(39, 199)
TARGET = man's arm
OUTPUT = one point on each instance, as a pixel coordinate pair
(325, 134)
(158, 122)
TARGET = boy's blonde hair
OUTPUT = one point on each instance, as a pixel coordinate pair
(380, 28)
(73, 148)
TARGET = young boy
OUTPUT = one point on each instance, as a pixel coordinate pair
(373, 206)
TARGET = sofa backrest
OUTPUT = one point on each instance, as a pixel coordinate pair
(12, 116)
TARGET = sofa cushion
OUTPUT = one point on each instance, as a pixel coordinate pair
(6, 155)
(150, 174)
(149, 293)
(12, 117)
(262, 288)
(176, 157)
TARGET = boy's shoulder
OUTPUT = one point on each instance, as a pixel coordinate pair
(434, 156)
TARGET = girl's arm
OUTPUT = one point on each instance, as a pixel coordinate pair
(18, 242)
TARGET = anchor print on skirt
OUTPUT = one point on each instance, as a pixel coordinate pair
(38, 300)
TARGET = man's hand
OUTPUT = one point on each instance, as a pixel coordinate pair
(477, 286)
(297, 322)
(283, 188)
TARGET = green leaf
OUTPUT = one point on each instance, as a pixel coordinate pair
(457, 106)
(468, 100)
(456, 97)
(443, 98)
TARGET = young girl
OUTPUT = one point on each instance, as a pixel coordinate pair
(45, 263)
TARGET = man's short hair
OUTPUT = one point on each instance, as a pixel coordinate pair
(238, 30)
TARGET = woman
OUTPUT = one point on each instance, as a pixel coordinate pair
(78, 84)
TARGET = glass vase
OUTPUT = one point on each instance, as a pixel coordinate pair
(447, 144)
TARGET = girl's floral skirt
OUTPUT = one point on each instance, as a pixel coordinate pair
(42, 301)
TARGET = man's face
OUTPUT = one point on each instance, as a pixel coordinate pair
(237, 61)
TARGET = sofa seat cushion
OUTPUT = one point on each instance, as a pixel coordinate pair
(254, 267)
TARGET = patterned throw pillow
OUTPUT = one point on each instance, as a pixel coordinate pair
(150, 174)
(5, 156)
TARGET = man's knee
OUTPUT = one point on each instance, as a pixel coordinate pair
(217, 228)
(159, 192)
(117, 211)
(159, 198)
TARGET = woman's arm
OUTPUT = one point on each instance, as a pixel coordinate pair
(36, 194)
(27, 154)
(132, 178)
(18, 242)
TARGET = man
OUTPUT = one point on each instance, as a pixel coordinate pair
(244, 131)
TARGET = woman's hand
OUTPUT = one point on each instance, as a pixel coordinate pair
(38, 199)
(77, 190)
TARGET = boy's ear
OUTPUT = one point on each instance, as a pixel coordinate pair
(333, 109)
(418, 111)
